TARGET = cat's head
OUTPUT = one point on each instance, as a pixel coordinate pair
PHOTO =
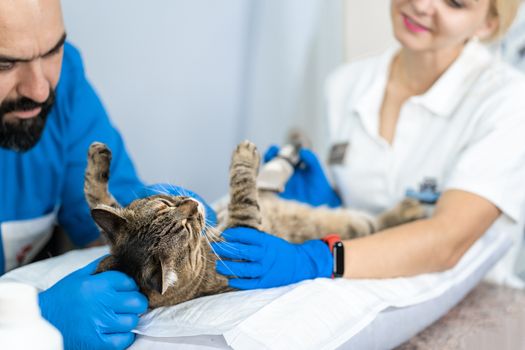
(154, 239)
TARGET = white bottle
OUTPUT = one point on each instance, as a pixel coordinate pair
(22, 326)
(274, 175)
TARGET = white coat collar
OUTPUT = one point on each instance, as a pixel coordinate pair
(441, 99)
(450, 89)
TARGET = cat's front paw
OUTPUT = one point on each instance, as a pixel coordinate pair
(99, 159)
(246, 155)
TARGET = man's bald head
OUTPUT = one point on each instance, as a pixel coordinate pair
(32, 35)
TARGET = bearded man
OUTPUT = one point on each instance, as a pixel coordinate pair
(49, 115)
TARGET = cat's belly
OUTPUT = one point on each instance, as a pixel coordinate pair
(297, 222)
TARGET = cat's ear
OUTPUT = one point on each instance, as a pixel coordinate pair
(164, 277)
(169, 276)
(109, 220)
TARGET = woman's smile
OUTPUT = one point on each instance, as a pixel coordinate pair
(413, 26)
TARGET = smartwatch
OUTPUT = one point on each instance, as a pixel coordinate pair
(338, 252)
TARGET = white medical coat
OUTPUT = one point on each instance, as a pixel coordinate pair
(466, 132)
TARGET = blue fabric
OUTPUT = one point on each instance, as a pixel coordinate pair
(51, 174)
(94, 311)
(2, 257)
(426, 197)
(211, 216)
(266, 261)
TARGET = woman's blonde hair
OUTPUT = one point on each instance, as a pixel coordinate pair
(505, 11)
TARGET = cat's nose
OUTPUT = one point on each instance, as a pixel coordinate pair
(189, 206)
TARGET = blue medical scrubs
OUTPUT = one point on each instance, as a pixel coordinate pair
(47, 181)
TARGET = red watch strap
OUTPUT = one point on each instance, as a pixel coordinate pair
(330, 240)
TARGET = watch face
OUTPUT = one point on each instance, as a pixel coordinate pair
(339, 259)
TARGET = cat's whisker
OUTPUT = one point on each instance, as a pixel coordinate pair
(213, 229)
(165, 188)
(207, 222)
(213, 251)
(221, 260)
(212, 232)
(170, 188)
(179, 190)
(231, 248)
(182, 191)
(211, 248)
(216, 233)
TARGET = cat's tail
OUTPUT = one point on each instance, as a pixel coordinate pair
(97, 176)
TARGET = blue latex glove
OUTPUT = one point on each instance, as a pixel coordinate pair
(211, 216)
(308, 183)
(94, 311)
(269, 261)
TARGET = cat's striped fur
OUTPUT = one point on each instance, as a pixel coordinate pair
(163, 241)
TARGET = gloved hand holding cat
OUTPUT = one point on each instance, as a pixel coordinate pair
(263, 260)
(99, 311)
(94, 311)
(269, 261)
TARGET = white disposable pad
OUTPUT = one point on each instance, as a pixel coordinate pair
(316, 314)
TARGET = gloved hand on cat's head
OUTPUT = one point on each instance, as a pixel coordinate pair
(94, 311)
(211, 216)
(308, 183)
(269, 261)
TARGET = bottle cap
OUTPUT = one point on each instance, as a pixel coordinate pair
(18, 303)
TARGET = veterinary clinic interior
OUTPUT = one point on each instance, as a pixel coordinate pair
(294, 174)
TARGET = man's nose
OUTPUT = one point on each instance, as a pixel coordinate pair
(32, 82)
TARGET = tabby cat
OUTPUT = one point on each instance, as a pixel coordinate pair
(162, 241)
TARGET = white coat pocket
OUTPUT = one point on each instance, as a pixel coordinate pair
(23, 239)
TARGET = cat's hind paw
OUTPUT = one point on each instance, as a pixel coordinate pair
(411, 209)
(406, 211)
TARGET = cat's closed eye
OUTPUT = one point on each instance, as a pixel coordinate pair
(165, 201)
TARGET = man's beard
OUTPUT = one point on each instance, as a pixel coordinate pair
(23, 134)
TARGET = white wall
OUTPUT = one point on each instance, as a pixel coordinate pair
(296, 44)
(368, 28)
(184, 81)
(169, 73)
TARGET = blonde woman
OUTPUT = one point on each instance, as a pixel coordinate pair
(438, 118)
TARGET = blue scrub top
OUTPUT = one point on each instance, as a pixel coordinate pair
(51, 175)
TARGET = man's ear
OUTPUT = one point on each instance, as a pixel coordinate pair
(109, 220)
